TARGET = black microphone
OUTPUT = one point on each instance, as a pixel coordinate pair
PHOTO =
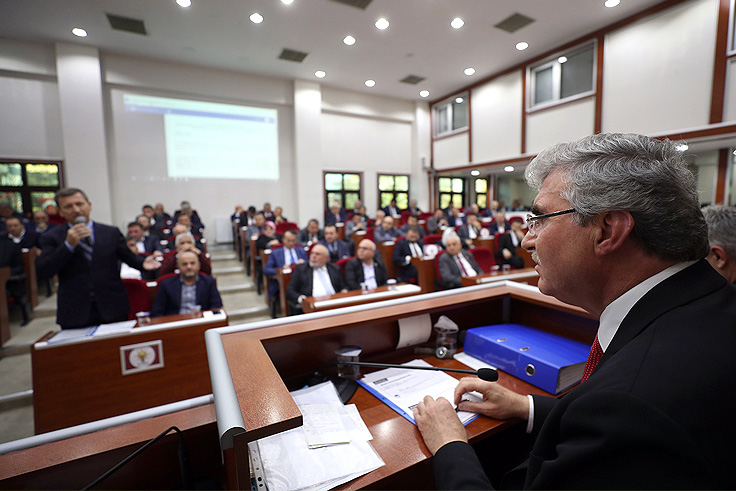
(487, 374)
(78, 220)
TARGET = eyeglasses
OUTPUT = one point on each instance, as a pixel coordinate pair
(534, 223)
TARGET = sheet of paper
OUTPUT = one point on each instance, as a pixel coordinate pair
(323, 425)
(115, 327)
(404, 389)
(414, 330)
(72, 334)
(472, 362)
(361, 432)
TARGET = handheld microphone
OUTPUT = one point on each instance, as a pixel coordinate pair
(487, 374)
(81, 220)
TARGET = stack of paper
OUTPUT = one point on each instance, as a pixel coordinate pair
(330, 449)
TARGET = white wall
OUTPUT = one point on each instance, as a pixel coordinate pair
(559, 124)
(452, 151)
(658, 72)
(496, 118)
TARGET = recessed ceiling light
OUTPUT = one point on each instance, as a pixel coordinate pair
(184, 3)
(287, 2)
(382, 24)
(459, 100)
(425, 93)
(474, 172)
(457, 23)
(349, 40)
(682, 147)
(370, 83)
(469, 71)
(522, 46)
(256, 18)
(509, 168)
(611, 3)
(78, 31)
(562, 59)
(320, 74)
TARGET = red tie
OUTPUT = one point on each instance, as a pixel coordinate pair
(593, 358)
(462, 268)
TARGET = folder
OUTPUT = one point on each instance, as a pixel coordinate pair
(552, 363)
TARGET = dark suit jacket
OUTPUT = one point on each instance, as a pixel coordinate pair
(657, 412)
(151, 244)
(354, 274)
(408, 271)
(30, 238)
(391, 212)
(464, 234)
(80, 281)
(342, 250)
(302, 236)
(12, 257)
(301, 281)
(331, 219)
(450, 272)
(276, 261)
(504, 242)
(494, 228)
(168, 297)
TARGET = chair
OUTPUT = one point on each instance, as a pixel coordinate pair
(439, 284)
(138, 296)
(341, 264)
(432, 238)
(484, 257)
(284, 226)
(369, 233)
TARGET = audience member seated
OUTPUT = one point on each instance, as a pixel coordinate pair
(380, 215)
(356, 223)
(456, 264)
(392, 210)
(23, 237)
(363, 211)
(41, 218)
(474, 208)
(453, 217)
(259, 223)
(310, 234)
(387, 232)
(161, 219)
(469, 231)
(52, 210)
(357, 205)
(289, 255)
(144, 245)
(413, 207)
(181, 294)
(267, 212)
(412, 221)
(500, 225)
(131, 273)
(268, 238)
(336, 215)
(278, 215)
(194, 221)
(184, 242)
(491, 212)
(338, 249)
(437, 222)
(239, 212)
(364, 270)
(315, 278)
(721, 221)
(518, 205)
(412, 246)
(250, 217)
(6, 211)
(11, 256)
(507, 245)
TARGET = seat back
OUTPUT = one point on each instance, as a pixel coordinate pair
(432, 238)
(369, 233)
(138, 296)
(438, 275)
(484, 257)
(284, 226)
(341, 264)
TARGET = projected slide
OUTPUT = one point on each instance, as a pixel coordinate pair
(212, 140)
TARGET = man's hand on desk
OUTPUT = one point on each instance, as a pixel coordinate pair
(498, 402)
(438, 423)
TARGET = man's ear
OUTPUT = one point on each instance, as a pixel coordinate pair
(612, 229)
(720, 256)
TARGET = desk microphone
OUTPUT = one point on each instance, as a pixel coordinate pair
(487, 374)
(81, 220)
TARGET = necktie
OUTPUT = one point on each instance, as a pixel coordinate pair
(293, 257)
(593, 358)
(462, 268)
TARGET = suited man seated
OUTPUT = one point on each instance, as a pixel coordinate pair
(144, 245)
(414, 207)
(310, 234)
(355, 224)
(453, 217)
(412, 221)
(499, 225)
(412, 246)
(456, 264)
(507, 245)
(392, 210)
(315, 278)
(336, 215)
(469, 231)
(337, 248)
(194, 221)
(364, 270)
(290, 254)
(387, 232)
(41, 219)
(180, 294)
(23, 237)
(184, 242)
(12, 257)
(437, 222)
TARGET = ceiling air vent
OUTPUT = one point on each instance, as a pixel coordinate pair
(358, 4)
(127, 24)
(514, 22)
(412, 79)
(292, 55)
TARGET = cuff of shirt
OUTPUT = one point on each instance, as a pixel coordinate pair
(69, 246)
(530, 422)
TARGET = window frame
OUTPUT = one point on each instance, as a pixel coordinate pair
(25, 190)
(462, 194)
(326, 192)
(551, 61)
(731, 46)
(449, 115)
(393, 192)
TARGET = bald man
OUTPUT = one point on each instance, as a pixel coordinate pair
(182, 293)
(316, 278)
(364, 270)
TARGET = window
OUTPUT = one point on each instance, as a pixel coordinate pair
(27, 186)
(452, 191)
(568, 75)
(451, 115)
(732, 30)
(481, 192)
(393, 187)
(343, 188)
